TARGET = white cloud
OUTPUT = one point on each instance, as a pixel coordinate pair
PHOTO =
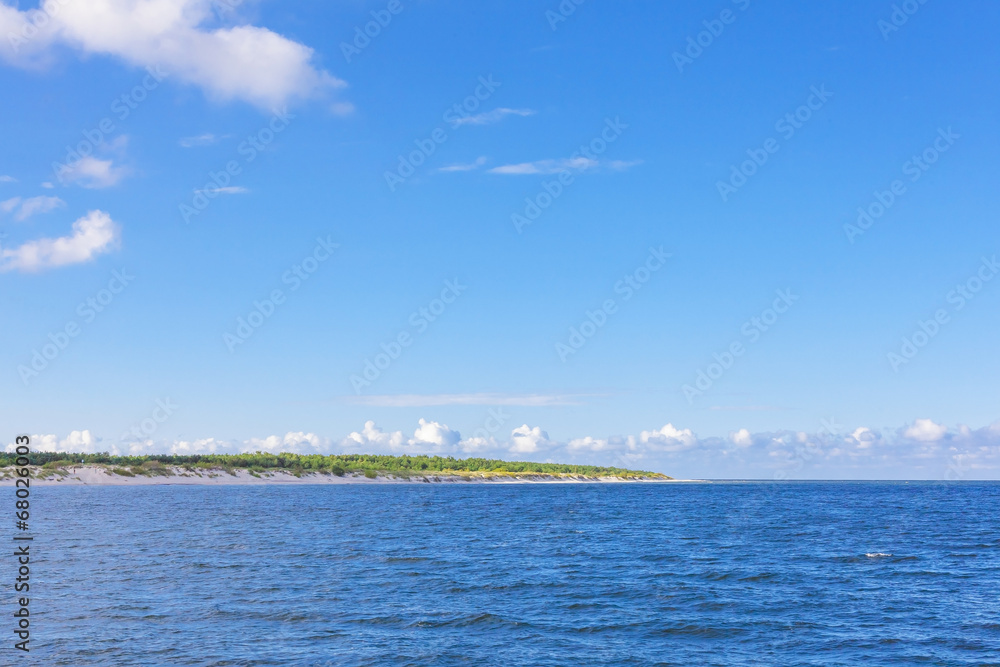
(865, 437)
(240, 62)
(341, 108)
(430, 400)
(228, 190)
(478, 446)
(741, 438)
(91, 173)
(47, 185)
(546, 166)
(578, 164)
(669, 439)
(93, 234)
(206, 139)
(292, 442)
(527, 440)
(925, 430)
(439, 436)
(492, 116)
(959, 453)
(469, 166)
(7, 179)
(372, 438)
(622, 165)
(78, 442)
(31, 206)
(429, 438)
(587, 444)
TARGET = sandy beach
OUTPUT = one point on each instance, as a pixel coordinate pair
(96, 475)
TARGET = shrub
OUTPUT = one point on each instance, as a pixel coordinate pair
(337, 470)
(371, 474)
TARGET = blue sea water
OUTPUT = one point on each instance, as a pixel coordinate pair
(820, 573)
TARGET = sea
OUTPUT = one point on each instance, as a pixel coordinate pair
(719, 573)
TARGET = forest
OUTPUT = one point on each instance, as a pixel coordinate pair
(336, 464)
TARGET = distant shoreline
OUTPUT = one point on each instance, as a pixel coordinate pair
(101, 475)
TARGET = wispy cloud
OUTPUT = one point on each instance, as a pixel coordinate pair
(494, 116)
(471, 166)
(206, 139)
(92, 173)
(28, 207)
(228, 190)
(577, 164)
(546, 166)
(7, 179)
(341, 108)
(429, 400)
(622, 165)
(93, 234)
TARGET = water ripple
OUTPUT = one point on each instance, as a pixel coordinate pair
(717, 574)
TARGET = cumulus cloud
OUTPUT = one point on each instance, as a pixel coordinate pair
(25, 208)
(93, 234)
(242, 62)
(527, 440)
(78, 442)
(430, 437)
(925, 430)
(479, 446)
(293, 442)
(668, 438)
(490, 117)
(741, 438)
(434, 436)
(588, 444)
(957, 453)
(865, 437)
(371, 437)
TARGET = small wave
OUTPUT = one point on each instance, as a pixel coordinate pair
(763, 576)
(701, 631)
(879, 554)
(465, 621)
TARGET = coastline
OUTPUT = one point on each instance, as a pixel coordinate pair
(98, 475)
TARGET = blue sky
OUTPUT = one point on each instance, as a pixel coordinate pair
(256, 138)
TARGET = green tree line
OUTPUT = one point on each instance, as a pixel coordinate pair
(334, 463)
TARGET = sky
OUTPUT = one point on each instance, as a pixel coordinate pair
(726, 239)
